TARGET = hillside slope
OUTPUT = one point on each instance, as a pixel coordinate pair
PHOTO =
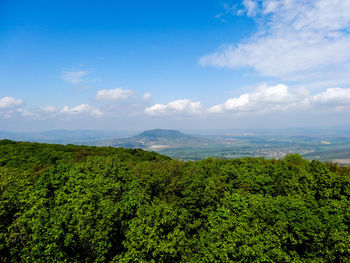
(159, 139)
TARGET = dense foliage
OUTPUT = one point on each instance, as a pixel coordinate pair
(97, 204)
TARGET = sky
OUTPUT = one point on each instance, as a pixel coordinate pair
(188, 65)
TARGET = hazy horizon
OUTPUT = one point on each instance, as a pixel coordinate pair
(218, 131)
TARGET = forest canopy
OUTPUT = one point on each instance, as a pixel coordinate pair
(103, 204)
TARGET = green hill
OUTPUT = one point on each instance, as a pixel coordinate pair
(159, 139)
(161, 133)
(103, 204)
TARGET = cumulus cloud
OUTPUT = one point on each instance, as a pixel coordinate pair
(39, 113)
(8, 106)
(82, 109)
(298, 40)
(184, 107)
(264, 98)
(74, 77)
(333, 96)
(9, 102)
(114, 94)
(281, 97)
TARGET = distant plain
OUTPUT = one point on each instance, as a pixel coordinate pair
(313, 144)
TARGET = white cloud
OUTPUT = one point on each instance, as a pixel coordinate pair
(48, 109)
(251, 7)
(227, 10)
(28, 113)
(74, 77)
(8, 106)
(47, 112)
(185, 106)
(147, 96)
(113, 94)
(263, 99)
(283, 98)
(298, 40)
(9, 102)
(82, 109)
(333, 96)
(40, 113)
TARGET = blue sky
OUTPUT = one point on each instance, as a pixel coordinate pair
(129, 65)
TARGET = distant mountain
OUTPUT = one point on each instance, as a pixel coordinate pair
(160, 139)
(87, 137)
(160, 133)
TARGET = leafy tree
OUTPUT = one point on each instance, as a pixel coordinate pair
(102, 204)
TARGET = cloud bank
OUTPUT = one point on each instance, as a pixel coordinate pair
(265, 98)
(283, 98)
